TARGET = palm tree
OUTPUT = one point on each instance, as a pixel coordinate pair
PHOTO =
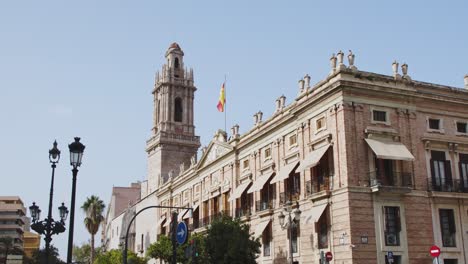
(93, 207)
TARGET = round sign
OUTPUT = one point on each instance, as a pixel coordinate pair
(435, 251)
(181, 233)
(328, 256)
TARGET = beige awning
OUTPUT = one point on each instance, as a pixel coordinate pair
(260, 227)
(181, 215)
(161, 220)
(389, 150)
(313, 158)
(239, 190)
(195, 207)
(284, 172)
(168, 222)
(259, 183)
(313, 215)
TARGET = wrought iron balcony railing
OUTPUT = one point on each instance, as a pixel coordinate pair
(264, 205)
(391, 179)
(448, 185)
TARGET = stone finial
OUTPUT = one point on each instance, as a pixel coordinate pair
(466, 81)
(340, 57)
(156, 78)
(236, 129)
(283, 101)
(351, 61)
(404, 70)
(396, 75)
(301, 86)
(333, 64)
(278, 105)
(260, 115)
(193, 160)
(307, 81)
(255, 118)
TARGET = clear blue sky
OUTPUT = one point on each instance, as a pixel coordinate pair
(86, 68)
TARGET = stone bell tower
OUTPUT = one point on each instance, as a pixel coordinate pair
(173, 141)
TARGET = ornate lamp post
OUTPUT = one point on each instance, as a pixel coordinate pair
(76, 154)
(292, 222)
(48, 226)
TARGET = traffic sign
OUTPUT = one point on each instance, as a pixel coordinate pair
(328, 256)
(181, 233)
(435, 251)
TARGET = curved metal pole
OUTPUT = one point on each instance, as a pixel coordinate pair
(124, 253)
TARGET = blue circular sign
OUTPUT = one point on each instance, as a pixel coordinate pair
(181, 233)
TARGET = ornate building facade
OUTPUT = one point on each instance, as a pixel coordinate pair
(375, 163)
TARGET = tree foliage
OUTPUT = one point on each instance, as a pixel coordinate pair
(39, 257)
(162, 250)
(228, 241)
(93, 207)
(82, 254)
(114, 256)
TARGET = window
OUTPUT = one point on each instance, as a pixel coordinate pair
(292, 140)
(379, 116)
(441, 172)
(176, 63)
(461, 127)
(267, 153)
(434, 124)
(392, 225)
(450, 261)
(266, 240)
(322, 231)
(447, 227)
(320, 123)
(396, 259)
(178, 109)
(464, 172)
(293, 186)
(245, 164)
(385, 171)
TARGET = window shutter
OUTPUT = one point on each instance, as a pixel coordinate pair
(432, 173)
(448, 171)
(385, 213)
(398, 219)
(451, 218)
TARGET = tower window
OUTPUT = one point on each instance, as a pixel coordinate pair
(178, 110)
(176, 63)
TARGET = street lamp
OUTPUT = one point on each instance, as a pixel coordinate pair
(292, 222)
(48, 226)
(76, 154)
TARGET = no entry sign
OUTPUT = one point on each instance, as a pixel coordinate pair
(435, 251)
(328, 256)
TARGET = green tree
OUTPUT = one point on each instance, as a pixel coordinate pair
(38, 257)
(162, 250)
(228, 241)
(114, 256)
(8, 247)
(81, 254)
(93, 207)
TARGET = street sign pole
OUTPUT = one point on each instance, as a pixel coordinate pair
(174, 237)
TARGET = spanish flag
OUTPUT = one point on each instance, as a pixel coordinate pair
(222, 99)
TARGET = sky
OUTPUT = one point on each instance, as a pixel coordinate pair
(86, 68)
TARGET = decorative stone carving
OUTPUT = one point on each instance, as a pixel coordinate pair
(301, 86)
(193, 160)
(307, 81)
(351, 61)
(396, 75)
(340, 57)
(181, 168)
(333, 64)
(404, 70)
(466, 81)
(283, 101)
(255, 118)
(259, 115)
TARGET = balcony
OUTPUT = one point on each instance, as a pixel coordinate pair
(391, 182)
(266, 207)
(241, 212)
(448, 185)
(317, 190)
(288, 196)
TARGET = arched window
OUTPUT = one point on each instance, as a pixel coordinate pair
(178, 110)
(176, 63)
